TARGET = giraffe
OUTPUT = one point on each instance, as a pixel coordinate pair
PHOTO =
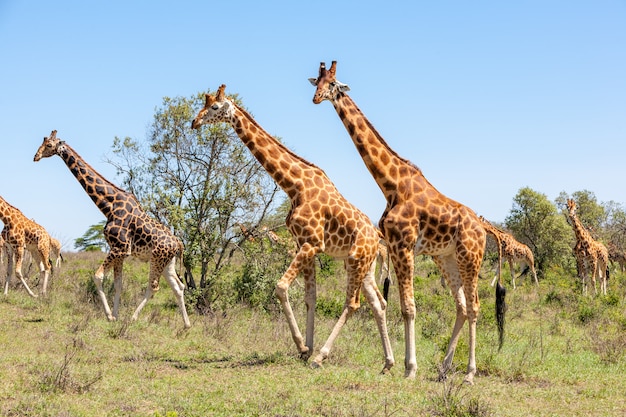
(55, 251)
(247, 233)
(21, 233)
(320, 220)
(616, 254)
(511, 251)
(592, 257)
(128, 231)
(418, 219)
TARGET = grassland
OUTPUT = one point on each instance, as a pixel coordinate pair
(564, 355)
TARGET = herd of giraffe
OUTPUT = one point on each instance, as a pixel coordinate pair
(417, 219)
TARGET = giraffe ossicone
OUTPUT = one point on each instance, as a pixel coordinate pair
(128, 231)
(418, 219)
(320, 220)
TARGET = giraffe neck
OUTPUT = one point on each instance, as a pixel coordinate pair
(7, 212)
(385, 165)
(285, 167)
(579, 230)
(101, 191)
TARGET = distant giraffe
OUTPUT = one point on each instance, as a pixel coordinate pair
(592, 257)
(418, 219)
(55, 251)
(21, 233)
(512, 252)
(617, 255)
(128, 231)
(320, 220)
(246, 232)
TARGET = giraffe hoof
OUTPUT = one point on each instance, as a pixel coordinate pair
(305, 354)
(316, 365)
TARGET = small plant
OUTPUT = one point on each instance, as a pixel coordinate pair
(454, 402)
(586, 312)
(61, 379)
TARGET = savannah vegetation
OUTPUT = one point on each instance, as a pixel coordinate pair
(564, 353)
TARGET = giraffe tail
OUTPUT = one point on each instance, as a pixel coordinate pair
(386, 285)
(500, 310)
(524, 272)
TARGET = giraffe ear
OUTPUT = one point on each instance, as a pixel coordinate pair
(313, 81)
(342, 87)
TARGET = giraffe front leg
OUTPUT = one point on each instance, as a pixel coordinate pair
(471, 364)
(512, 273)
(44, 273)
(18, 272)
(402, 259)
(98, 279)
(472, 308)
(304, 256)
(117, 283)
(9, 274)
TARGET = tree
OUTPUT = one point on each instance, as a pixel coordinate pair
(199, 182)
(535, 221)
(93, 239)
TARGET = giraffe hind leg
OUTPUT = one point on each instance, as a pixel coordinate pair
(377, 303)
(177, 287)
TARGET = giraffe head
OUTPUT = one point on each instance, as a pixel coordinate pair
(571, 207)
(50, 146)
(327, 86)
(216, 109)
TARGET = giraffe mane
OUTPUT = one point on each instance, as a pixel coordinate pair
(285, 148)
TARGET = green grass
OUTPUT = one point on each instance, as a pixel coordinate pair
(564, 354)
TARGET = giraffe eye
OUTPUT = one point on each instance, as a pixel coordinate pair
(215, 107)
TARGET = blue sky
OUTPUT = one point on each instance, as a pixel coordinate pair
(486, 97)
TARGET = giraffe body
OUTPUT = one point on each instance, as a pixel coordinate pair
(418, 219)
(592, 257)
(320, 220)
(19, 234)
(511, 251)
(128, 231)
(618, 255)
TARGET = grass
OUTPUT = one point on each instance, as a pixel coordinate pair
(563, 355)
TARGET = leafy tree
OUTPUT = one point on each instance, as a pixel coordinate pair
(93, 239)
(615, 227)
(535, 221)
(199, 182)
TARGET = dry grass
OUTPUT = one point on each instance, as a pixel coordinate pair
(60, 357)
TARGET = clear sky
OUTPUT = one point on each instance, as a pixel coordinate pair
(486, 97)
